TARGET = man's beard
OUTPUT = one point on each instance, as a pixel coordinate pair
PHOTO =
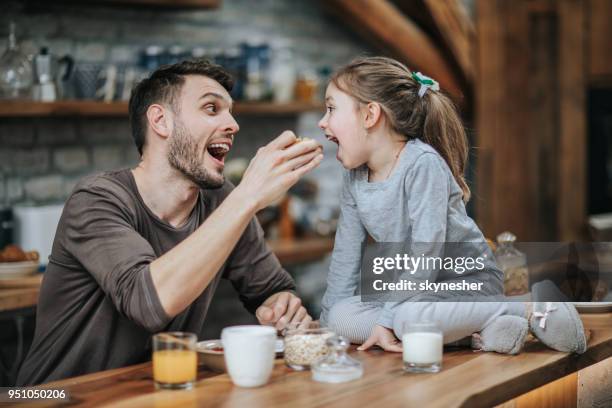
(183, 156)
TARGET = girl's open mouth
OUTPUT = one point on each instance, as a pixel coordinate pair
(332, 139)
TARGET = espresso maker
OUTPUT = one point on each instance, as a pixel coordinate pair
(50, 73)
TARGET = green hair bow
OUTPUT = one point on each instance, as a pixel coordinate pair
(425, 82)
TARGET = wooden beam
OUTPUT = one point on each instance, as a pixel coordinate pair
(599, 41)
(489, 100)
(572, 112)
(381, 22)
(506, 152)
(543, 105)
(457, 30)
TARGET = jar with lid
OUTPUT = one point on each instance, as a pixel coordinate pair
(305, 345)
(16, 76)
(337, 366)
(283, 73)
(514, 265)
(306, 86)
(256, 54)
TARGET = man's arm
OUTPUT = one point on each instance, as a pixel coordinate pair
(265, 288)
(181, 274)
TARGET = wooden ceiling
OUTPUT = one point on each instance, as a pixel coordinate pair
(435, 37)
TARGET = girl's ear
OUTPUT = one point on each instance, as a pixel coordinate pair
(373, 113)
(160, 120)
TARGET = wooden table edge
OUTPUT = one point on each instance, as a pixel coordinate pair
(562, 367)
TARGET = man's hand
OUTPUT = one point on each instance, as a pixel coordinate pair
(276, 167)
(383, 337)
(281, 309)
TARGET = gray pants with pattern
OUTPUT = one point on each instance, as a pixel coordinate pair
(457, 320)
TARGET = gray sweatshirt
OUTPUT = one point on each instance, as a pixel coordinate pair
(420, 202)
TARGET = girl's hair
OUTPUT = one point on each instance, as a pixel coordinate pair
(431, 118)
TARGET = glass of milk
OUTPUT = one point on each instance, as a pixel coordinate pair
(422, 343)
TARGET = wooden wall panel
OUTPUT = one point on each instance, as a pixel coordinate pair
(530, 116)
(488, 98)
(572, 115)
(600, 41)
(544, 121)
(506, 166)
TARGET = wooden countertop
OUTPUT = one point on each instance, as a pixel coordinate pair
(468, 379)
(288, 252)
(12, 299)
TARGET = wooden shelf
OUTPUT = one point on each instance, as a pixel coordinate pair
(94, 108)
(296, 251)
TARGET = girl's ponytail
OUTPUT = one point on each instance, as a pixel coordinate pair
(443, 130)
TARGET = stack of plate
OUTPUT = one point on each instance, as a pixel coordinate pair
(15, 270)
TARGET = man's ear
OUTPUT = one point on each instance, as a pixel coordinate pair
(372, 114)
(160, 120)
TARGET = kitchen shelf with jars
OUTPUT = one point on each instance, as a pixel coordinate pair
(267, 80)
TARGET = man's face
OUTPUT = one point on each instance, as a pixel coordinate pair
(203, 131)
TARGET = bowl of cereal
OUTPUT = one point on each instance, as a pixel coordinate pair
(305, 345)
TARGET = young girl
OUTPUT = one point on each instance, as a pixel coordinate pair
(405, 150)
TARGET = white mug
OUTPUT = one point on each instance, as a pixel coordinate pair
(249, 354)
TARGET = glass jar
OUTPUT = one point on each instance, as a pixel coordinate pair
(305, 345)
(283, 74)
(306, 87)
(16, 76)
(337, 366)
(514, 265)
(422, 344)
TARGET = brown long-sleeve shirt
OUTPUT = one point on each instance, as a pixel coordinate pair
(98, 307)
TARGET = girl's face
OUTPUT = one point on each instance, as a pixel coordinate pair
(343, 125)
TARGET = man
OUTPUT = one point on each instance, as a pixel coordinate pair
(142, 251)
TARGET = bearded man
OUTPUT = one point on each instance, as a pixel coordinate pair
(139, 251)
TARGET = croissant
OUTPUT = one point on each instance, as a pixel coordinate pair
(13, 253)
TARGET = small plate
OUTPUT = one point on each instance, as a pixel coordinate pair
(12, 270)
(213, 346)
(593, 307)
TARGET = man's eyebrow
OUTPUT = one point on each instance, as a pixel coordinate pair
(217, 96)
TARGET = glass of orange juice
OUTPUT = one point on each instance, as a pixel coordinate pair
(175, 362)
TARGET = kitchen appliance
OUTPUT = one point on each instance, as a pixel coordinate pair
(35, 228)
(51, 73)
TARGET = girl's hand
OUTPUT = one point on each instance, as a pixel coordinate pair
(384, 338)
